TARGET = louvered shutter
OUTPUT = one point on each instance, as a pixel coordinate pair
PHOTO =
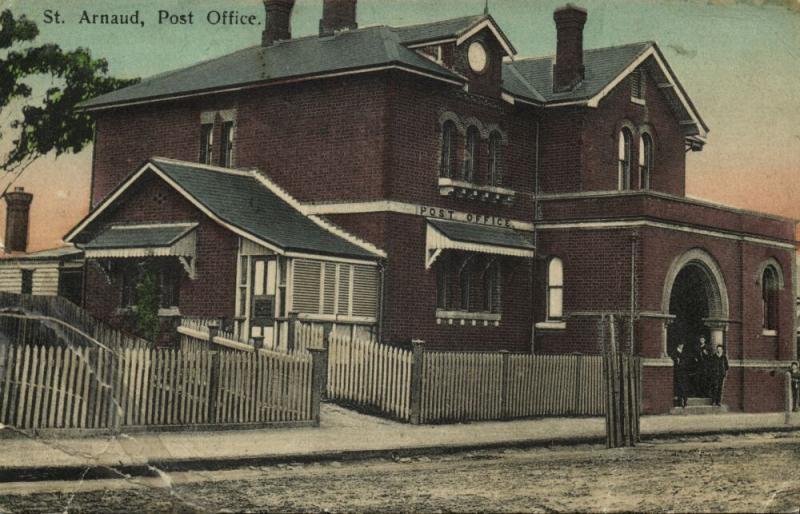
(306, 286)
(343, 307)
(329, 288)
(365, 291)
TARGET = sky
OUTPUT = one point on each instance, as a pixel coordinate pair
(739, 60)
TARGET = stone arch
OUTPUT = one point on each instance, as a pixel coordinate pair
(703, 265)
(451, 116)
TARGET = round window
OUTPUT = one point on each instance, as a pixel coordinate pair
(478, 59)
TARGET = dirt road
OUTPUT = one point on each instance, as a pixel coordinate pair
(746, 473)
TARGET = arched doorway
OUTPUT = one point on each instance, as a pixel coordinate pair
(696, 303)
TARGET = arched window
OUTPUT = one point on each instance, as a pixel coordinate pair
(769, 298)
(471, 150)
(495, 162)
(645, 160)
(624, 181)
(491, 287)
(448, 149)
(555, 289)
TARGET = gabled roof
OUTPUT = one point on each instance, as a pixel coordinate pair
(371, 48)
(456, 29)
(243, 203)
(532, 79)
(437, 31)
(602, 65)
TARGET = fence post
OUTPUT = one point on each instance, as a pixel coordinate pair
(213, 387)
(319, 358)
(290, 334)
(326, 344)
(213, 330)
(416, 380)
(788, 401)
(504, 380)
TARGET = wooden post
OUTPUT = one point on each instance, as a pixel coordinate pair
(417, 357)
(788, 402)
(213, 330)
(291, 327)
(319, 359)
(325, 347)
(213, 387)
(505, 370)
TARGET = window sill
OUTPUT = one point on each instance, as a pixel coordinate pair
(770, 333)
(551, 325)
(471, 191)
(162, 312)
(467, 318)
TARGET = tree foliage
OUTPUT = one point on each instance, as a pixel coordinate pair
(51, 124)
(148, 297)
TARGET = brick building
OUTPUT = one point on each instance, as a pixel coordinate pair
(436, 186)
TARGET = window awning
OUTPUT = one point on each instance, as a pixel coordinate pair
(155, 240)
(452, 235)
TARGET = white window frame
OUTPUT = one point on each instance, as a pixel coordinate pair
(624, 144)
(551, 287)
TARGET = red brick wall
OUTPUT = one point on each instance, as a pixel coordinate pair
(601, 132)
(561, 159)
(211, 293)
(415, 145)
(301, 136)
(579, 144)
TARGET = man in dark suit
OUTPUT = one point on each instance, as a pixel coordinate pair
(719, 368)
(680, 363)
(703, 378)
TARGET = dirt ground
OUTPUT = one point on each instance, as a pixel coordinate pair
(754, 473)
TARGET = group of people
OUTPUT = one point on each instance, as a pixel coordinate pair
(699, 372)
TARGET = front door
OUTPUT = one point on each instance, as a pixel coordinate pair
(262, 299)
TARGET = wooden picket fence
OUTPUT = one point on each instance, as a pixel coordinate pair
(461, 386)
(60, 387)
(366, 373)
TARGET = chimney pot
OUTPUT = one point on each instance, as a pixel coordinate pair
(568, 70)
(337, 15)
(279, 21)
(18, 204)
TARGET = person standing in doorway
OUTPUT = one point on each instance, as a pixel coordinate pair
(680, 363)
(794, 371)
(719, 368)
(703, 385)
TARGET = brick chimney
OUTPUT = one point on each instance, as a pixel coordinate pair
(568, 68)
(337, 15)
(279, 21)
(18, 206)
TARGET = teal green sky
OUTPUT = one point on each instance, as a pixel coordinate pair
(738, 60)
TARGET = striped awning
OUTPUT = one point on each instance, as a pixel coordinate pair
(154, 240)
(452, 235)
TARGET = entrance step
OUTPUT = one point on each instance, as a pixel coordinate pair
(699, 409)
(692, 402)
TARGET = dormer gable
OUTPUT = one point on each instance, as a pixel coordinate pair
(472, 47)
